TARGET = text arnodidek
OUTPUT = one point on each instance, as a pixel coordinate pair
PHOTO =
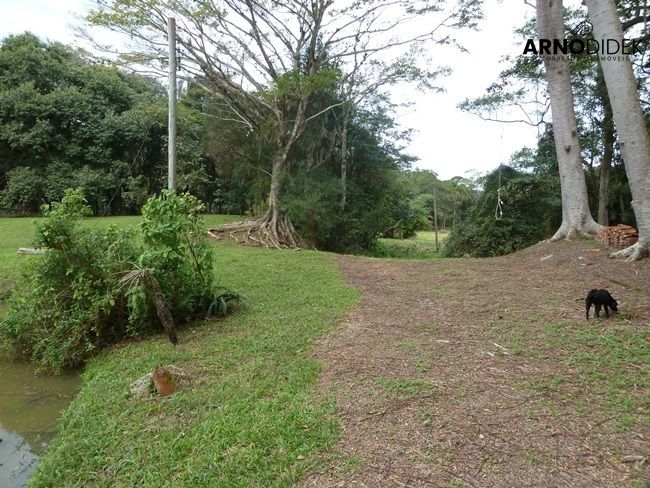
(581, 46)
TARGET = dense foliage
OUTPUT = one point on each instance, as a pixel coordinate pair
(84, 292)
(530, 206)
(376, 199)
(68, 122)
(373, 195)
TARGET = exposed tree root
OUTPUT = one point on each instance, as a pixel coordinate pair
(635, 252)
(573, 232)
(264, 232)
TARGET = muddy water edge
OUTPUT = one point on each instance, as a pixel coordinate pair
(30, 406)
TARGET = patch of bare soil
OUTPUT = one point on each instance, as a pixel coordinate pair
(461, 372)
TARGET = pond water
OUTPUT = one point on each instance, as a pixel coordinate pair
(30, 406)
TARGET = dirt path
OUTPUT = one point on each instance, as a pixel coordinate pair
(485, 373)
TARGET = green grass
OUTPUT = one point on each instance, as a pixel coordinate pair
(613, 364)
(406, 388)
(350, 465)
(422, 246)
(14, 233)
(251, 419)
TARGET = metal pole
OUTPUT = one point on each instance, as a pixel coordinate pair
(171, 146)
(435, 218)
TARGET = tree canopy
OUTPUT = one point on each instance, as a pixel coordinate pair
(68, 121)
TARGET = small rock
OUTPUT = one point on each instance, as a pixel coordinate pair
(170, 378)
(142, 387)
(633, 458)
(164, 381)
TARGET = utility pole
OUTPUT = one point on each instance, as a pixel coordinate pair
(435, 218)
(171, 144)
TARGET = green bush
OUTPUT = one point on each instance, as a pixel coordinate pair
(373, 209)
(74, 298)
(21, 195)
(181, 259)
(411, 215)
(531, 208)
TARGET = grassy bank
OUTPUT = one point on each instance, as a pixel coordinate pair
(250, 419)
(422, 246)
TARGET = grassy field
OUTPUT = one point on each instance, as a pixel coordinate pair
(422, 246)
(251, 417)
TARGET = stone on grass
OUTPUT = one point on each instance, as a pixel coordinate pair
(142, 387)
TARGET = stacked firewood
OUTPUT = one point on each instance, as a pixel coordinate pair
(618, 237)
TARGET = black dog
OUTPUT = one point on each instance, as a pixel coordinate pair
(601, 298)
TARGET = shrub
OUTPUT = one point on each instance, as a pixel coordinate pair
(21, 195)
(74, 300)
(373, 209)
(531, 207)
(181, 259)
(411, 215)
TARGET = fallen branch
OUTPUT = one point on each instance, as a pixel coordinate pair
(31, 250)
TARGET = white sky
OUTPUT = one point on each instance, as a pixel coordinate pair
(447, 141)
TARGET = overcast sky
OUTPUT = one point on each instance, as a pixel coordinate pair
(446, 140)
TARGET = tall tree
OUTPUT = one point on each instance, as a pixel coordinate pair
(360, 87)
(265, 60)
(629, 120)
(576, 217)
(609, 139)
(518, 91)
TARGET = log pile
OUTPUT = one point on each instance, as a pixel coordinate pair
(617, 237)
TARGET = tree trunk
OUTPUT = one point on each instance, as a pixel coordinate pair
(603, 187)
(277, 173)
(453, 220)
(608, 151)
(274, 229)
(628, 117)
(621, 206)
(576, 217)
